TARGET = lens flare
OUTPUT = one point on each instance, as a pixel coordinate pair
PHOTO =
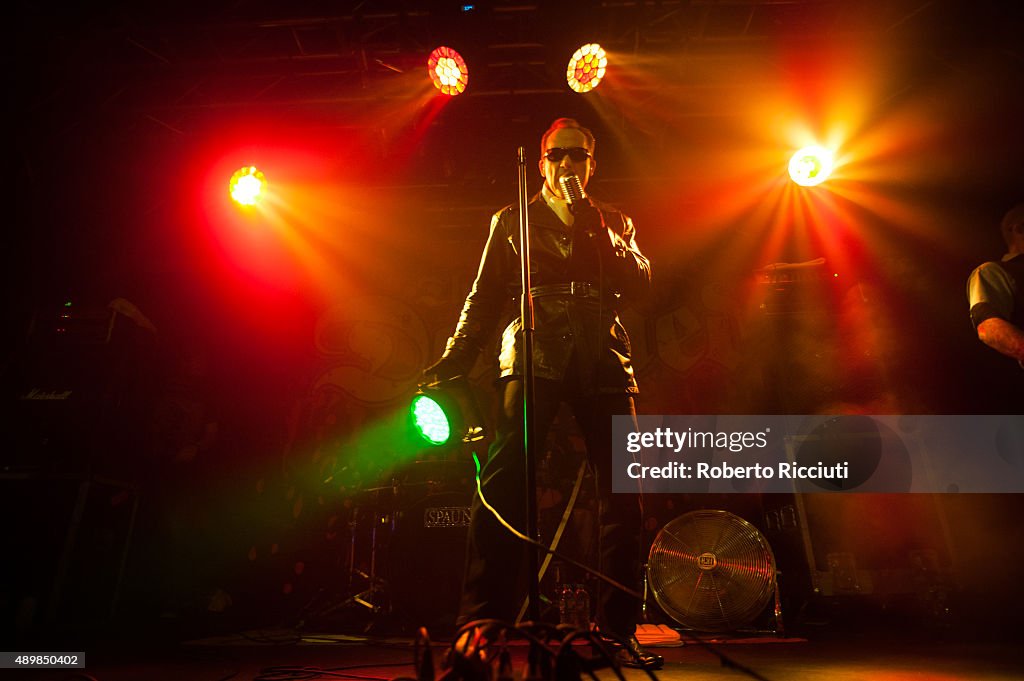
(810, 166)
(448, 71)
(586, 67)
(247, 186)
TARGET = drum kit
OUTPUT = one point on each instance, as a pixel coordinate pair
(406, 547)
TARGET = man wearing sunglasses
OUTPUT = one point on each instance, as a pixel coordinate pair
(584, 258)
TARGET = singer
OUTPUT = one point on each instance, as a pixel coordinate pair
(584, 259)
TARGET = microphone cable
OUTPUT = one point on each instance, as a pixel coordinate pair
(533, 542)
(569, 506)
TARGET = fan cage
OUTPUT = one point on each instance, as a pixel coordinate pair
(711, 570)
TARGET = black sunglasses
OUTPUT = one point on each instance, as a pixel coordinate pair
(576, 154)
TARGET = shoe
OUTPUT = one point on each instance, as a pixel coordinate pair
(634, 656)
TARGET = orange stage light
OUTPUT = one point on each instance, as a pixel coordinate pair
(810, 166)
(448, 71)
(247, 186)
(586, 67)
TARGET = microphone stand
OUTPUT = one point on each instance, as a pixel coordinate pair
(529, 441)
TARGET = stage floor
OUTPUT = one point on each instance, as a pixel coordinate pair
(279, 655)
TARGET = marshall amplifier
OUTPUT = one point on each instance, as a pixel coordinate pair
(74, 395)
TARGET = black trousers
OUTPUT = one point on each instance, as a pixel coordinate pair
(495, 576)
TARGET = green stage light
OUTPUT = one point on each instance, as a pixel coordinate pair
(445, 411)
(430, 420)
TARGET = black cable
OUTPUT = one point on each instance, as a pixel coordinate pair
(533, 542)
(724, 659)
(288, 673)
(291, 637)
(327, 639)
(368, 665)
(492, 625)
(285, 673)
(597, 643)
(205, 654)
(301, 673)
(568, 663)
(556, 539)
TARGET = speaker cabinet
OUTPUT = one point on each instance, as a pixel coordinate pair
(66, 543)
(881, 547)
(74, 398)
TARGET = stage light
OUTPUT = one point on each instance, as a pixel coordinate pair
(448, 71)
(445, 409)
(586, 67)
(810, 166)
(430, 420)
(247, 186)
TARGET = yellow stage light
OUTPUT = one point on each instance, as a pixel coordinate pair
(586, 67)
(810, 166)
(247, 186)
(448, 71)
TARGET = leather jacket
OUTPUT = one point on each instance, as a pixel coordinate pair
(578, 274)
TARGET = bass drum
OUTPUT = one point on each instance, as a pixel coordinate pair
(426, 560)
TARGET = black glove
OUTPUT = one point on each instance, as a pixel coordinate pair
(586, 218)
(590, 223)
(444, 369)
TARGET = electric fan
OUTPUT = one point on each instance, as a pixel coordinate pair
(711, 571)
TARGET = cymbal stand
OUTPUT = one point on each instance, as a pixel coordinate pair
(376, 585)
(374, 597)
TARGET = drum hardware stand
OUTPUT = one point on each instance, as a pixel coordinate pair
(377, 587)
(373, 589)
(376, 591)
(376, 584)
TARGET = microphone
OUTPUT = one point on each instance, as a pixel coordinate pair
(572, 190)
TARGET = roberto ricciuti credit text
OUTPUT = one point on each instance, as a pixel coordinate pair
(790, 471)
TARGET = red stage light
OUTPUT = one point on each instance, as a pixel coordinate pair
(247, 186)
(448, 71)
(586, 67)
